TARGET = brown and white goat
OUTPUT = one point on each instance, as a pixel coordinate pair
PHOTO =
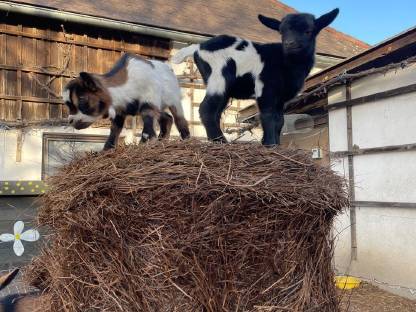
(29, 302)
(134, 86)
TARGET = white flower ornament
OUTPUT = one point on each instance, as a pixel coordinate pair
(29, 236)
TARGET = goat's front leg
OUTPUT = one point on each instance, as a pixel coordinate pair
(116, 127)
(148, 133)
(271, 120)
(279, 122)
(210, 112)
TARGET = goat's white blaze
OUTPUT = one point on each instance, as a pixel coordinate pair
(248, 61)
(80, 117)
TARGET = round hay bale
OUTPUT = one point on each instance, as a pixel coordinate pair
(190, 226)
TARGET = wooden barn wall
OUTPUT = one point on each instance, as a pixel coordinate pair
(37, 58)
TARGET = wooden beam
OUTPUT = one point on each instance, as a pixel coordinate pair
(56, 38)
(31, 99)
(351, 179)
(19, 145)
(376, 150)
(376, 52)
(189, 85)
(377, 204)
(374, 97)
(227, 125)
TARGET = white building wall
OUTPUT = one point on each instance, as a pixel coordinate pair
(30, 166)
(385, 236)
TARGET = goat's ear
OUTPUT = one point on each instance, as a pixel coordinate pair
(7, 279)
(269, 22)
(325, 20)
(88, 81)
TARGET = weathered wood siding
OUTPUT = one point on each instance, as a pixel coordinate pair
(36, 52)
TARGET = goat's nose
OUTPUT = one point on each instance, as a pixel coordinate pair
(70, 120)
(290, 43)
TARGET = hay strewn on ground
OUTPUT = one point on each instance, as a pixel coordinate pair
(190, 226)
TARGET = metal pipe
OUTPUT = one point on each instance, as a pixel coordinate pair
(101, 22)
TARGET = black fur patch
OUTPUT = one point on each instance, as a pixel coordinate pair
(237, 87)
(133, 108)
(84, 107)
(229, 72)
(218, 43)
(101, 106)
(243, 87)
(119, 121)
(144, 106)
(210, 113)
(242, 45)
(116, 127)
(120, 64)
(203, 67)
(148, 131)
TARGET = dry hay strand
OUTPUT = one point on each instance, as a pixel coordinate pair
(190, 226)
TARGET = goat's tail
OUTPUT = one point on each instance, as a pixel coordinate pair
(182, 54)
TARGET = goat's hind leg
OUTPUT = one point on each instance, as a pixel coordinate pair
(180, 123)
(210, 112)
(148, 133)
(165, 124)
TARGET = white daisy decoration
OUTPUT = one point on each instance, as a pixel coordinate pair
(19, 235)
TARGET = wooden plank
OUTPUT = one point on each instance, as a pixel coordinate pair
(375, 150)
(31, 99)
(133, 48)
(19, 89)
(374, 97)
(36, 111)
(188, 85)
(36, 69)
(28, 63)
(57, 60)
(10, 108)
(381, 50)
(351, 179)
(19, 145)
(376, 204)
(2, 73)
(226, 125)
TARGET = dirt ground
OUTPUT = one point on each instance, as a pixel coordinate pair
(368, 298)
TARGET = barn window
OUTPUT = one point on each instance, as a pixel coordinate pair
(60, 148)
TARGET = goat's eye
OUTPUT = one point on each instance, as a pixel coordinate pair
(308, 32)
(83, 105)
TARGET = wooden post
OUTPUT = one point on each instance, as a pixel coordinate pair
(19, 139)
(19, 145)
(351, 180)
(192, 95)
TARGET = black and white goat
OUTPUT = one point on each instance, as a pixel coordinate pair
(272, 73)
(135, 86)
